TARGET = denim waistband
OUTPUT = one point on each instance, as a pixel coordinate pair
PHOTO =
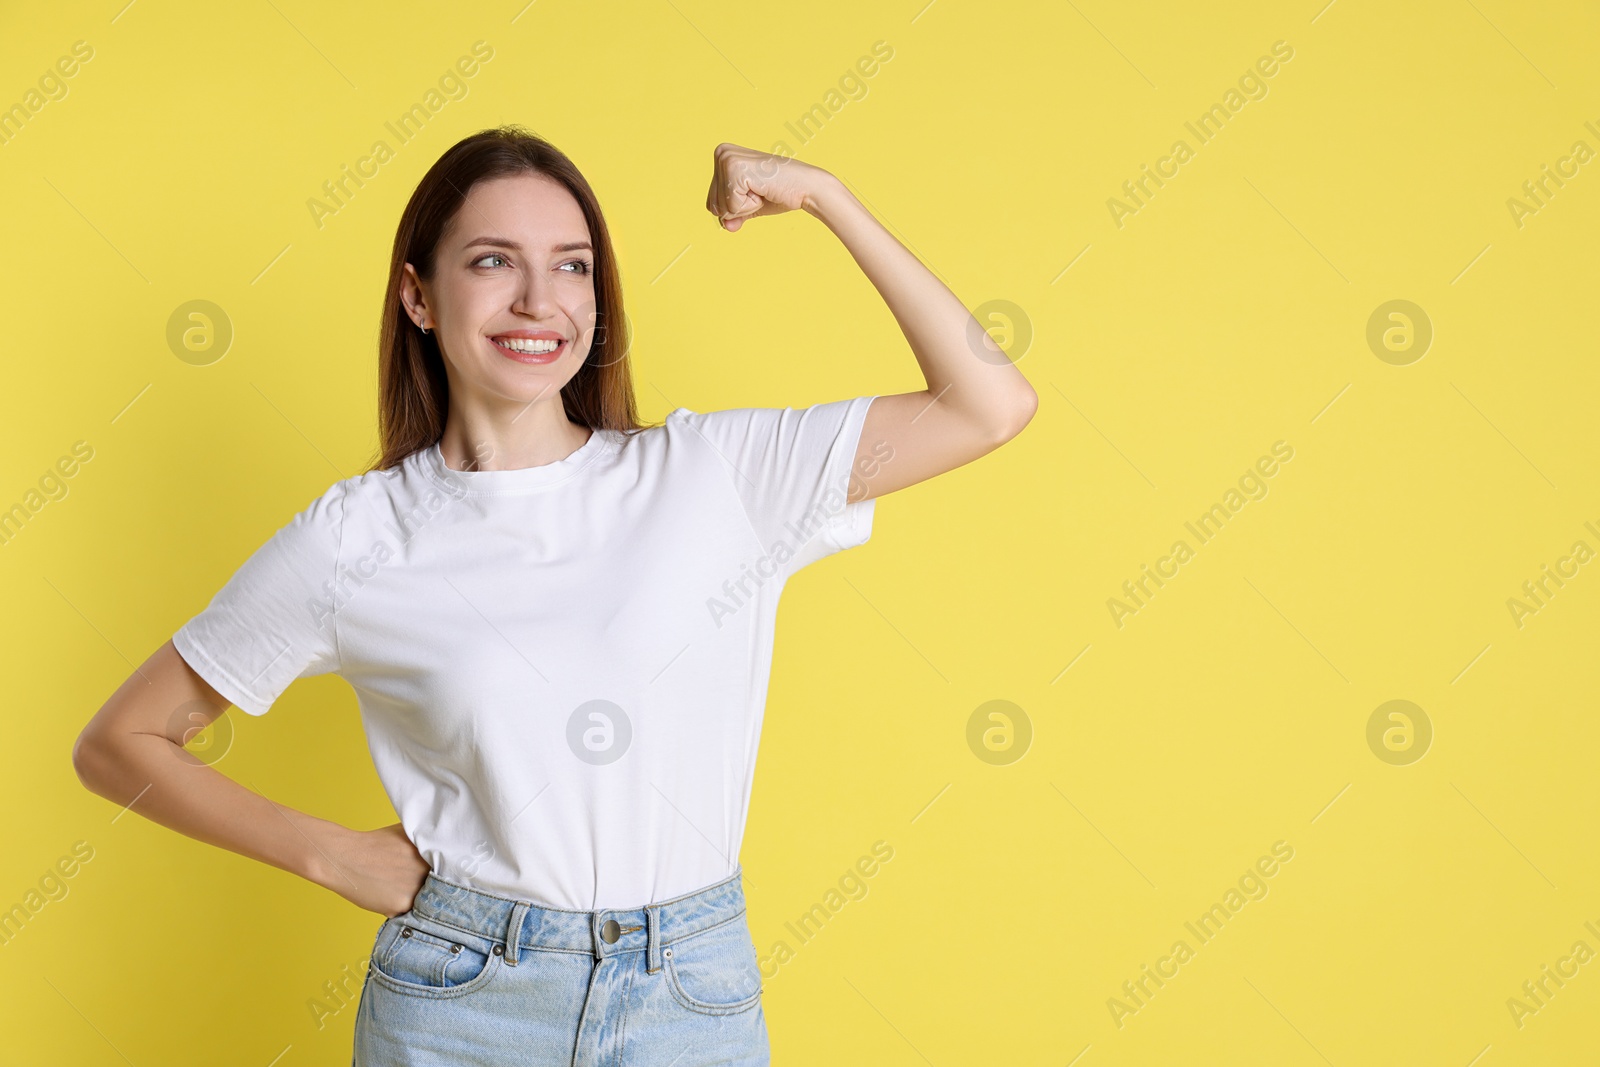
(520, 925)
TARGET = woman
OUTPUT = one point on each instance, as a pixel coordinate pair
(558, 623)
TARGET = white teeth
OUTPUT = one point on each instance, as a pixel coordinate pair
(517, 344)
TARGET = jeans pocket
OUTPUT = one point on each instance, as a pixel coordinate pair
(715, 972)
(419, 957)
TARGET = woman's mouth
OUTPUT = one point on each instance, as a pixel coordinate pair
(524, 350)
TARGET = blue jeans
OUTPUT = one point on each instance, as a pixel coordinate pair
(466, 977)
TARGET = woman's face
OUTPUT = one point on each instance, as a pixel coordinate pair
(515, 262)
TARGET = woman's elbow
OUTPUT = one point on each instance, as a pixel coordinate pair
(1021, 414)
(92, 760)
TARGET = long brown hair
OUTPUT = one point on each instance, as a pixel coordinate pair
(413, 391)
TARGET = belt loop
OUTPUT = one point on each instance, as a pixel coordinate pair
(519, 911)
(652, 922)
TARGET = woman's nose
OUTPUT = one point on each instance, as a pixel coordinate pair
(536, 298)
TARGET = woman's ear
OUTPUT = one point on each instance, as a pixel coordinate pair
(413, 301)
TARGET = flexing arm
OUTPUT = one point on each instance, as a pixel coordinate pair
(975, 400)
(132, 753)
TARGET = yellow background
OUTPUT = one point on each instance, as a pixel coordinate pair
(1229, 313)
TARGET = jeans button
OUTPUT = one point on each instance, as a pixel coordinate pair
(610, 931)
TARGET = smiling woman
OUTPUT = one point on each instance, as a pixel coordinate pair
(513, 292)
(506, 588)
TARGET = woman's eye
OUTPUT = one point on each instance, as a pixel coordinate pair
(584, 267)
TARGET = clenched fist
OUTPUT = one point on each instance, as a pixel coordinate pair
(746, 183)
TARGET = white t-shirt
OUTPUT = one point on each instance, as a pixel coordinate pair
(562, 669)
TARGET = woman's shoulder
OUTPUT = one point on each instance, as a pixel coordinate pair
(330, 505)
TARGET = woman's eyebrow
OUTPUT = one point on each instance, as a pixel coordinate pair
(502, 242)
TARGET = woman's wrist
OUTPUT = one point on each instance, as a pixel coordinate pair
(827, 199)
(322, 843)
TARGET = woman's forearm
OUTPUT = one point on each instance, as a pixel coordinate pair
(157, 779)
(988, 391)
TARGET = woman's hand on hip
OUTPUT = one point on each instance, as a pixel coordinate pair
(379, 870)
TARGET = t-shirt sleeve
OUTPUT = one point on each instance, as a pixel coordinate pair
(273, 621)
(792, 469)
